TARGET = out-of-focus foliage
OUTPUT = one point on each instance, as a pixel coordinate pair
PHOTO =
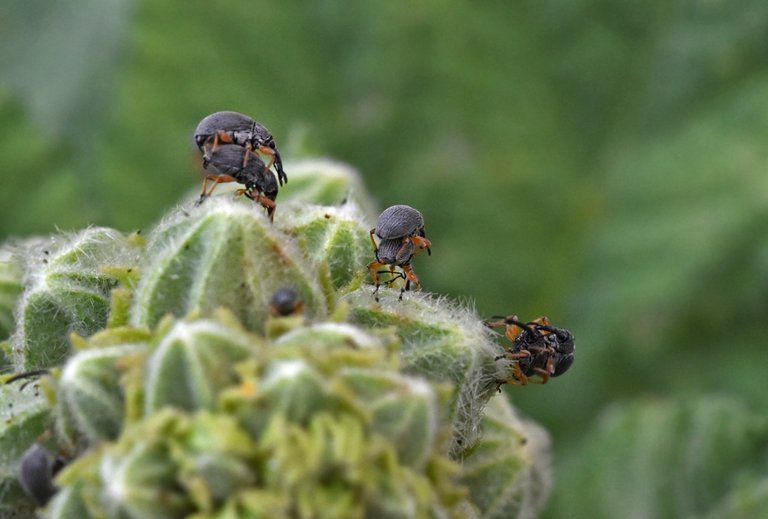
(670, 459)
(603, 163)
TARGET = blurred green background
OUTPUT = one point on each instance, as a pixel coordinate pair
(601, 162)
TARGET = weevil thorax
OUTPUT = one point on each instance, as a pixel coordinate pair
(260, 136)
(398, 221)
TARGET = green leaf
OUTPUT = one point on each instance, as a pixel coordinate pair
(664, 459)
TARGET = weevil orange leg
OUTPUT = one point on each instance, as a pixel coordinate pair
(247, 153)
(497, 323)
(216, 179)
(375, 247)
(541, 325)
(373, 270)
(512, 326)
(266, 150)
(411, 276)
(518, 378)
(218, 137)
(274, 160)
(265, 202)
(542, 372)
(422, 243)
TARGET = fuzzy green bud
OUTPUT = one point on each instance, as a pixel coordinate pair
(90, 399)
(10, 289)
(327, 182)
(191, 362)
(68, 283)
(243, 368)
(441, 341)
(508, 471)
(334, 238)
(321, 415)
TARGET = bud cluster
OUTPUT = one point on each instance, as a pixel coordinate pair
(159, 374)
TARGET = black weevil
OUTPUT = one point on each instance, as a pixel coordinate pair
(235, 128)
(285, 301)
(233, 163)
(401, 232)
(37, 469)
(538, 349)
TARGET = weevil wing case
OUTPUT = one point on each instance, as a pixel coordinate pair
(227, 121)
(398, 221)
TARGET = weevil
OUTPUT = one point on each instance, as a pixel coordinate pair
(37, 468)
(400, 229)
(233, 163)
(235, 128)
(285, 301)
(538, 349)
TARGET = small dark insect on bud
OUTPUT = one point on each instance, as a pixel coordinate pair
(285, 301)
(36, 472)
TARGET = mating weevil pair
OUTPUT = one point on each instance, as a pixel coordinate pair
(229, 142)
(538, 349)
(400, 229)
